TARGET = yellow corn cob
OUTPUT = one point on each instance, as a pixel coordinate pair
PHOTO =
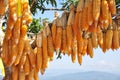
(74, 49)
(54, 31)
(58, 39)
(84, 51)
(3, 7)
(31, 75)
(10, 52)
(20, 50)
(21, 75)
(23, 30)
(84, 23)
(39, 40)
(112, 6)
(105, 13)
(76, 23)
(109, 36)
(39, 58)
(36, 75)
(100, 39)
(22, 59)
(32, 58)
(80, 5)
(90, 48)
(10, 23)
(26, 66)
(14, 50)
(4, 54)
(119, 36)
(90, 13)
(94, 40)
(96, 9)
(79, 56)
(45, 51)
(115, 40)
(16, 31)
(80, 42)
(110, 18)
(15, 72)
(50, 47)
(64, 42)
(69, 39)
(104, 43)
(8, 34)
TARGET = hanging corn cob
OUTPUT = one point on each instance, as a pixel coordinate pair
(94, 40)
(63, 48)
(58, 37)
(39, 51)
(90, 12)
(105, 13)
(109, 36)
(45, 50)
(115, 40)
(53, 31)
(69, 30)
(112, 6)
(74, 49)
(15, 72)
(90, 48)
(27, 67)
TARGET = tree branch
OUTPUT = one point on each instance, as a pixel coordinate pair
(57, 9)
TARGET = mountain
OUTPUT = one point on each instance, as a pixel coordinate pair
(92, 75)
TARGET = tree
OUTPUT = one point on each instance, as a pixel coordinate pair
(83, 36)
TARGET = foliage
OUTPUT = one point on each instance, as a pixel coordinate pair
(40, 5)
(117, 1)
(35, 26)
(67, 3)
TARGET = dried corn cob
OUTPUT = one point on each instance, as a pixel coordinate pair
(94, 40)
(112, 6)
(45, 51)
(100, 39)
(54, 31)
(21, 75)
(80, 5)
(39, 58)
(26, 66)
(50, 47)
(22, 59)
(104, 43)
(3, 7)
(90, 48)
(32, 58)
(74, 49)
(36, 75)
(20, 50)
(115, 40)
(109, 37)
(16, 31)
(64, 41)
(39, 39)
(84, 51)
(90, 12)
(58, 35)
(79, 56)
(15, 72)
(105, 13)
(96, 9)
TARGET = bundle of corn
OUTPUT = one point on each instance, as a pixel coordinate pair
(17, 52)
(3, 7)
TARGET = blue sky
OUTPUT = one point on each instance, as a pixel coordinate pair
(107, 62)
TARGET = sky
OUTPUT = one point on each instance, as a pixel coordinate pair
(106, 62)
